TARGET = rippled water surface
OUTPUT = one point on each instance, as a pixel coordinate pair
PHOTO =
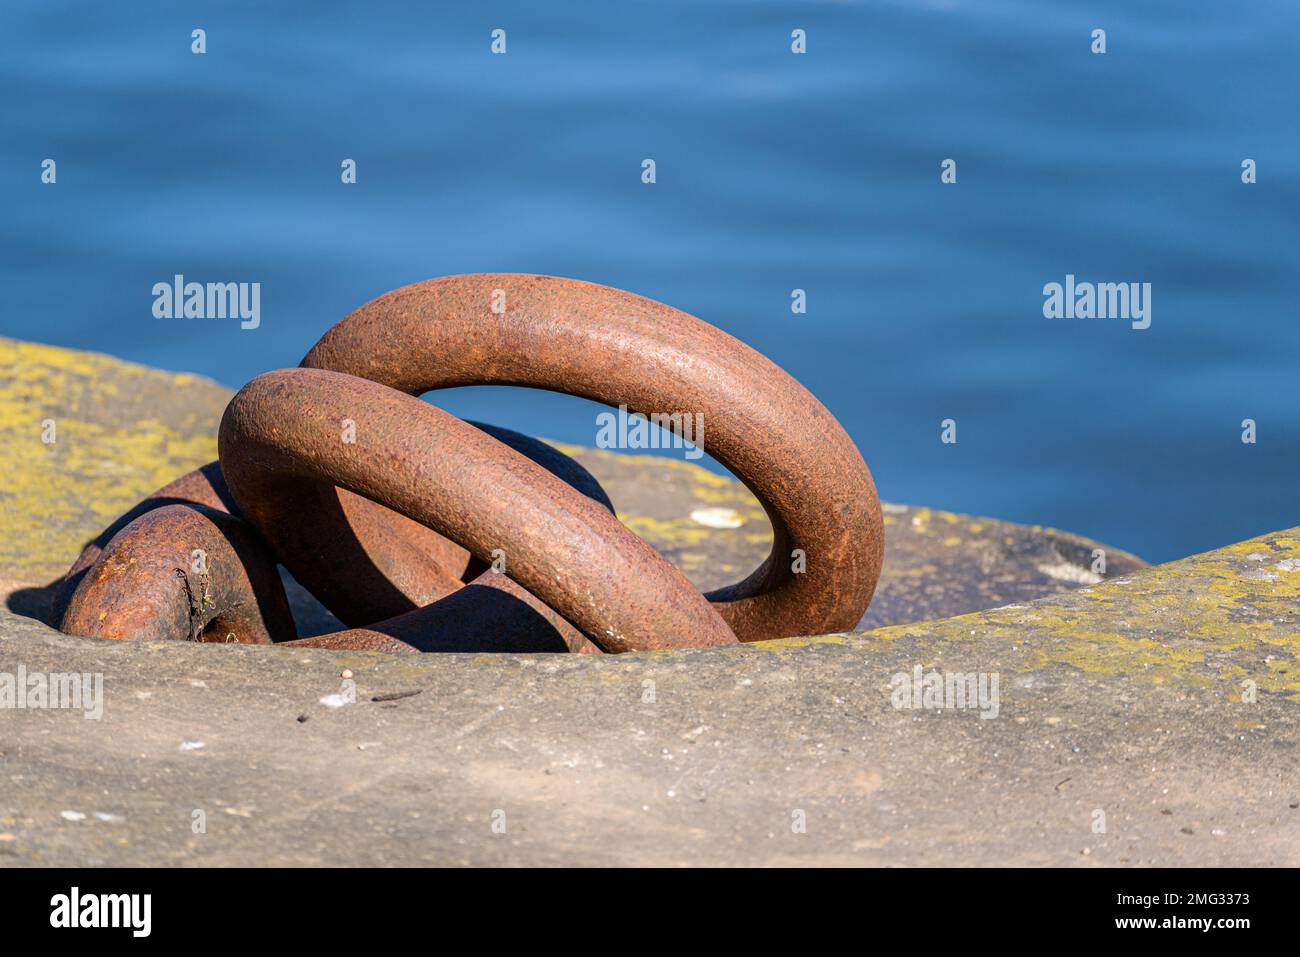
(775, 172)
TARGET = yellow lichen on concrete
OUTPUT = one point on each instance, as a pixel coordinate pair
(85, 437)
(1229, 617)
(679, 532)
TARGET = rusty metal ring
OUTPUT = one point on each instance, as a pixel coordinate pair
(190, 572)
(368, 561)
(282, 454)
(182, 571)
(624, 350)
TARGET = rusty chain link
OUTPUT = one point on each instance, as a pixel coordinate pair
(393, 527)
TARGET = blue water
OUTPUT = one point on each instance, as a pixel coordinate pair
(775, 171)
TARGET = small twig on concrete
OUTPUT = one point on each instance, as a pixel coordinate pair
(396, 695)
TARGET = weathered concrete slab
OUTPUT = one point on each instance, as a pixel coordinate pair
(1148, 719)
(709, 756)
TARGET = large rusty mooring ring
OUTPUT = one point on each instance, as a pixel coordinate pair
(283, 455)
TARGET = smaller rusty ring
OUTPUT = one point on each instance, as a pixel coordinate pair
(188, 572)
(281, 455)
(493, 614)
(182, 571)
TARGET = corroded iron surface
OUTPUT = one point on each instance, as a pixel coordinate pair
(386, 507)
